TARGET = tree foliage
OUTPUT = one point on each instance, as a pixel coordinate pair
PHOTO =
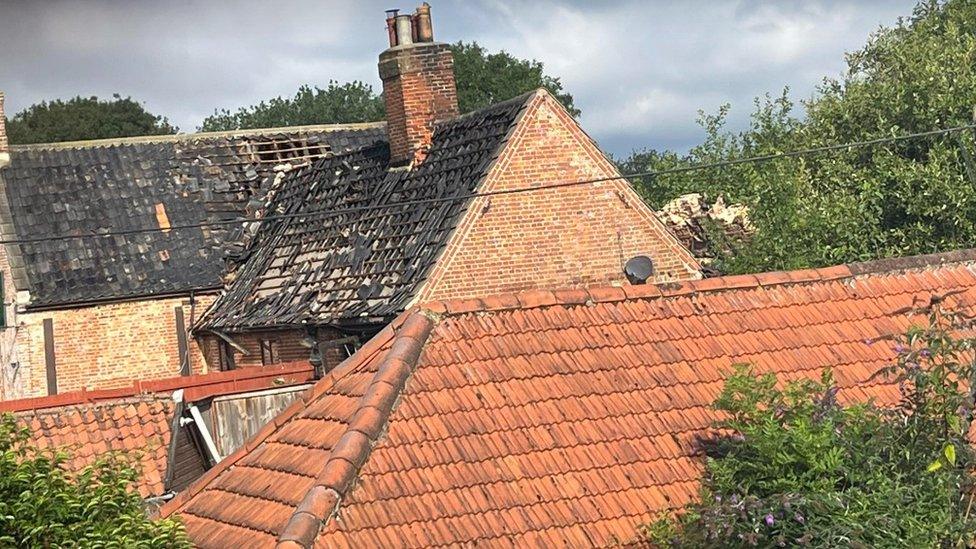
(908, 197)
(485, 78)
(482, 79)
(84, 118)
(801, 469)
(336, 104)
(41, 505)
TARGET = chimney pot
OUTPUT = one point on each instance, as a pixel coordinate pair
(425, 31)
(391, 26)
(404, 30)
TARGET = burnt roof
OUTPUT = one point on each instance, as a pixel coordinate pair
(360, 237)
(97, 187)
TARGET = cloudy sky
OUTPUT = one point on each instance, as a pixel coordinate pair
(640, 71)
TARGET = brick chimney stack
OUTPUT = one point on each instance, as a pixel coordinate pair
(4, 144)
(418, 84)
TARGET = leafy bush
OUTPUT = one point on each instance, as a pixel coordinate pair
(801, 469)
(910, 197)
(83, 118)
(42, 505)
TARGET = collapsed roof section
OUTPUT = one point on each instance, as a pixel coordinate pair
(159, 183)
(359, 237)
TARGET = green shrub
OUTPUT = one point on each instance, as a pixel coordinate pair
(42, 505)
(802, 469)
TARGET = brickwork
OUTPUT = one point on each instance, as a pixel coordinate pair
(419, 90)
(103, 346)
(8, 330)
(4, 144)
(567, 237)
(287, 346)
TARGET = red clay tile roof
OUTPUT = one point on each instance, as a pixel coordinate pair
(89, 423)
(88, 431)
(560, 418)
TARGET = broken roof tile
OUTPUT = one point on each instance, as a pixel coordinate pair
(112, 186)
(365, 235)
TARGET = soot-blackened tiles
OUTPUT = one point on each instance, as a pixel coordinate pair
(358, 237)
(130, 185)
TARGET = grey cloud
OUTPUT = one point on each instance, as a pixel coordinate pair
(640, 71)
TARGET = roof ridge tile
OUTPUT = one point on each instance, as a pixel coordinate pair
(353, 448)
(530, 299)
(195, 136)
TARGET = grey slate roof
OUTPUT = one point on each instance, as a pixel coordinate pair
(325, 264)
(95, 187)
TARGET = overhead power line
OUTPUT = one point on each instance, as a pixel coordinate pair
(518, 190)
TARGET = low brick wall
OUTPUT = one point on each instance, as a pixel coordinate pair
(102, 346)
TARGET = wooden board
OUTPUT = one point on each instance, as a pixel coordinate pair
(236, 418)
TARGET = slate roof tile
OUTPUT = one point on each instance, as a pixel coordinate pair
(94, 187)
(558, 422)
(331, 263)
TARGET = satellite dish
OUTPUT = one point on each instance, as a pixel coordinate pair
(638, 269)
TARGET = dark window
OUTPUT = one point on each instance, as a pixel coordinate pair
(226, 356)
(269, 352)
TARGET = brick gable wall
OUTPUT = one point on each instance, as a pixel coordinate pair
(101, 346)
(567, 237)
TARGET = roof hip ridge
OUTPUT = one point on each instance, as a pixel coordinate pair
(350, 453)
(191, 136)
(537, 298)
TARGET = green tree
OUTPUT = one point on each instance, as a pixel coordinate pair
(482, 79)
(485, 78)
(908, 197)
(41, 505)
(336, 104)
(84, 118)
(801, 469)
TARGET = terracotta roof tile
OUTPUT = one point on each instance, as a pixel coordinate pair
(137, 418)
(552, 418)
(90, 430)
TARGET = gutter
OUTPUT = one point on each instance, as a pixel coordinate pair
(112, 300)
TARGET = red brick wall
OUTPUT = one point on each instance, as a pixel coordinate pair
(290, 348)
(104, 346)
(573, 236)
(418, 89)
